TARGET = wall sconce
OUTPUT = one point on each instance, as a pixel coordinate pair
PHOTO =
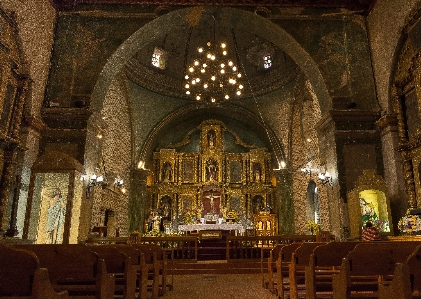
(95, 180)
(306, 171)
(325, 178)
(119, 183)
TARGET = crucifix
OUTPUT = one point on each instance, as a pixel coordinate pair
(211, 197)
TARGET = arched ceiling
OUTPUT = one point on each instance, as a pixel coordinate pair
(246, 49)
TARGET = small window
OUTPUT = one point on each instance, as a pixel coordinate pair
(159, 58)
(267, 61)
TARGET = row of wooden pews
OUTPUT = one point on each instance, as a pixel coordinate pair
(344, 270)
(83, 271)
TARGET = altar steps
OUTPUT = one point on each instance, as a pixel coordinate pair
(215, 267)
(211, 250)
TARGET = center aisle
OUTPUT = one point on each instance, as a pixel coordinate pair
(220, 286)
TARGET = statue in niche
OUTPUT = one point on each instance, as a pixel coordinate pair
(166, 172)
(56, 217)
(257, 173)
(165, 211)
(257, 204)
(211, 135)
(211, 170)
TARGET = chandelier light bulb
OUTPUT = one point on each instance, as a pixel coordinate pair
(239, 75)
(200, 50)
(186, 77)
(187, 92)
(224, 53)
(230, 63)
(197, 80)
(198, 97)
(223, 45)
(209, 55)
(205, 65)
(222, 71)
(193, 82)
(191, 69)
(213, 78)
(196, 62)
(222, 65)
(234, 68)
(213, 57)
(202, 71)
(213, 100)
(240, 86)
(238, 92)
(205, 85)
(208, 44)
(227, 97)
(187, 86)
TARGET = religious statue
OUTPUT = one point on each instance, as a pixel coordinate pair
(211, 170)
(166, 172)
(211, 138)
(211, 196)
(257, 173)
(56, 217)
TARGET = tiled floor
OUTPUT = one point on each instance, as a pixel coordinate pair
(218, 286)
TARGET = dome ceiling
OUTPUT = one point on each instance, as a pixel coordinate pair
(246, 50)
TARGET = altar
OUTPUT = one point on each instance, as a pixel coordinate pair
(198, 227)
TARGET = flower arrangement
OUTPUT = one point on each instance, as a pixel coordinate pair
(233, 215)
(313, 227)
(382, 226)
(189, 217)
(409, 224)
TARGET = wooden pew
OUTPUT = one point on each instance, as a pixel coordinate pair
(118, 263)
(324, 262)
(22, 278)
(138, 261)
(75, 268)
(271, 268)
(299, 260)
(154, 265)
(406, 282)
(367, 265)
(282, 268)
(162, 256)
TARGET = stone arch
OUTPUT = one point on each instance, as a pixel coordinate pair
(183, 19)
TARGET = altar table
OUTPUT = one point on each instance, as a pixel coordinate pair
(223, 226)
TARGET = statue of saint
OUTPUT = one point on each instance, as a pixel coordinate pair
(211, 138)
(211, 171)
(56, 217)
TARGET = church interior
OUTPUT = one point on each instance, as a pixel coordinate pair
(279, 117)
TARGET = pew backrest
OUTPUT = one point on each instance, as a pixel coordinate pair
(380, 256)
(65, 261)
(17, 268)
(332, 253)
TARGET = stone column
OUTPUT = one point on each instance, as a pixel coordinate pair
(138, 201)
(284, 205)
(392, 160)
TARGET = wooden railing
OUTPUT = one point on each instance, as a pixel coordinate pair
(237, 247)
(177, 247)
(241, 247)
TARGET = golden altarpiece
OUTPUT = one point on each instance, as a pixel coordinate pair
(211, 181)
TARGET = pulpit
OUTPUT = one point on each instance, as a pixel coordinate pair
(265, 224)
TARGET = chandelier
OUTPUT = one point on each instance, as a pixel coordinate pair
(213, 76)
